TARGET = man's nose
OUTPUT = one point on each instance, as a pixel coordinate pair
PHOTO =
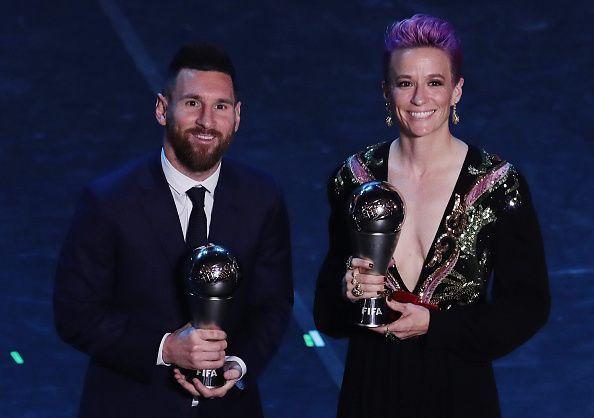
(205, 118)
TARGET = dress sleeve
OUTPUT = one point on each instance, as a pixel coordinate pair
(519, 301)
(333, 313)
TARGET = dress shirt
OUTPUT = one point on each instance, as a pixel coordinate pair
(179, 184)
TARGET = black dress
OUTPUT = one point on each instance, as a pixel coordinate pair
(485, 270)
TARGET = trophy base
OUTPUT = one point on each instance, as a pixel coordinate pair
(211, 378)
(373, 312)
(369, 325)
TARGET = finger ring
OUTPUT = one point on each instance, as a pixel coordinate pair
(357, 291)
(389, 335)
(354, 282)
(349, 263)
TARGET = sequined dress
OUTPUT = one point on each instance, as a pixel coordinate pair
(485, 270)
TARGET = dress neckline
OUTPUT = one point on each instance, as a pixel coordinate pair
(425, 269)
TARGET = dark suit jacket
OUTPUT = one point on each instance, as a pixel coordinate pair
(119, 290)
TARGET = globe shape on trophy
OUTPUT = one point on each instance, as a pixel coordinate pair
(212, 272)
(375, 214)
(376, 206)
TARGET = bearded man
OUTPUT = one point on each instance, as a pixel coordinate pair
(119, 293)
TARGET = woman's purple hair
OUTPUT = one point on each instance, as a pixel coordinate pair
(419, 31)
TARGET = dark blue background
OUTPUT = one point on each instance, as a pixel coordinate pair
(77, 89)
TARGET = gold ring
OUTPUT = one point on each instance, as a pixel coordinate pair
(389, 335)
(349, 263)
(354, 282)
(357, 291)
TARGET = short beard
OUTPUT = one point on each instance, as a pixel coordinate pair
(197, 158)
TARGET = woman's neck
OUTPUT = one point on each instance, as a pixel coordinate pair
(419, 156)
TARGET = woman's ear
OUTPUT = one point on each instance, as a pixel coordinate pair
(386, 91)
(457, 93)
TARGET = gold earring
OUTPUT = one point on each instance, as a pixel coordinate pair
(389, 121)
(455, 116)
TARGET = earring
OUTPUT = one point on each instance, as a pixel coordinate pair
(389, 121)
(455, 116)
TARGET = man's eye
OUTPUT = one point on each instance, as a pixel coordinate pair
(221, 106)
(192, 103)
(404, 84)
(435, 83)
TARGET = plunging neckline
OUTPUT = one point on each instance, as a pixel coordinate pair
(423, 274)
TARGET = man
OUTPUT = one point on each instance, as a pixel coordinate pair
(119, 294)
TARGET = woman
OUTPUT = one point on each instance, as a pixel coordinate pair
(470, 246)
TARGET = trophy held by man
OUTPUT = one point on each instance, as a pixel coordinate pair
(212, 276)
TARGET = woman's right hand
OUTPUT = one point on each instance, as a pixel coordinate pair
(357, 283)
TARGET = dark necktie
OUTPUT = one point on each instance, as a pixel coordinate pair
(196, 233)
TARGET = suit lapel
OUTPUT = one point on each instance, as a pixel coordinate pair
(159, 207)
(224, 224)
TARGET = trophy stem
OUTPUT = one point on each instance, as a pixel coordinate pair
(208, 311)
(375, 246)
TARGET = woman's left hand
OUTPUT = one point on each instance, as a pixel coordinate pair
(413, 322)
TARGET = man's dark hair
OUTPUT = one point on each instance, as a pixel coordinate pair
(200, 56)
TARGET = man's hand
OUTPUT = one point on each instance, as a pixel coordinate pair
(196, 388)
(196, 349)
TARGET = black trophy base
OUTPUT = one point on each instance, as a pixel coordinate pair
(373, 312)
(211, 378)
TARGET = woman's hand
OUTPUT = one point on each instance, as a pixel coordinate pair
(357, 283)
(414, 321)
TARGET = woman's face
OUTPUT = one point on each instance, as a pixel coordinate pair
(422, 90)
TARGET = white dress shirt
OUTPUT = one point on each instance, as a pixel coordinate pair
(179, 184)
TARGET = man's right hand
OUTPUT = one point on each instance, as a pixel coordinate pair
(195, 349)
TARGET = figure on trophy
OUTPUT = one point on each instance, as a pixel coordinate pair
(376, 214)
(212, 276)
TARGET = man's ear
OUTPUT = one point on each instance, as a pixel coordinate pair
(161, 110)
(237, 110)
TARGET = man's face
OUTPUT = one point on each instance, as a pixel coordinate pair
(200, 115)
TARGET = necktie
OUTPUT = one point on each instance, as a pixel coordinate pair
(196, 233)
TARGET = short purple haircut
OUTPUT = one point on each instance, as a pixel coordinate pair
(423, 31)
